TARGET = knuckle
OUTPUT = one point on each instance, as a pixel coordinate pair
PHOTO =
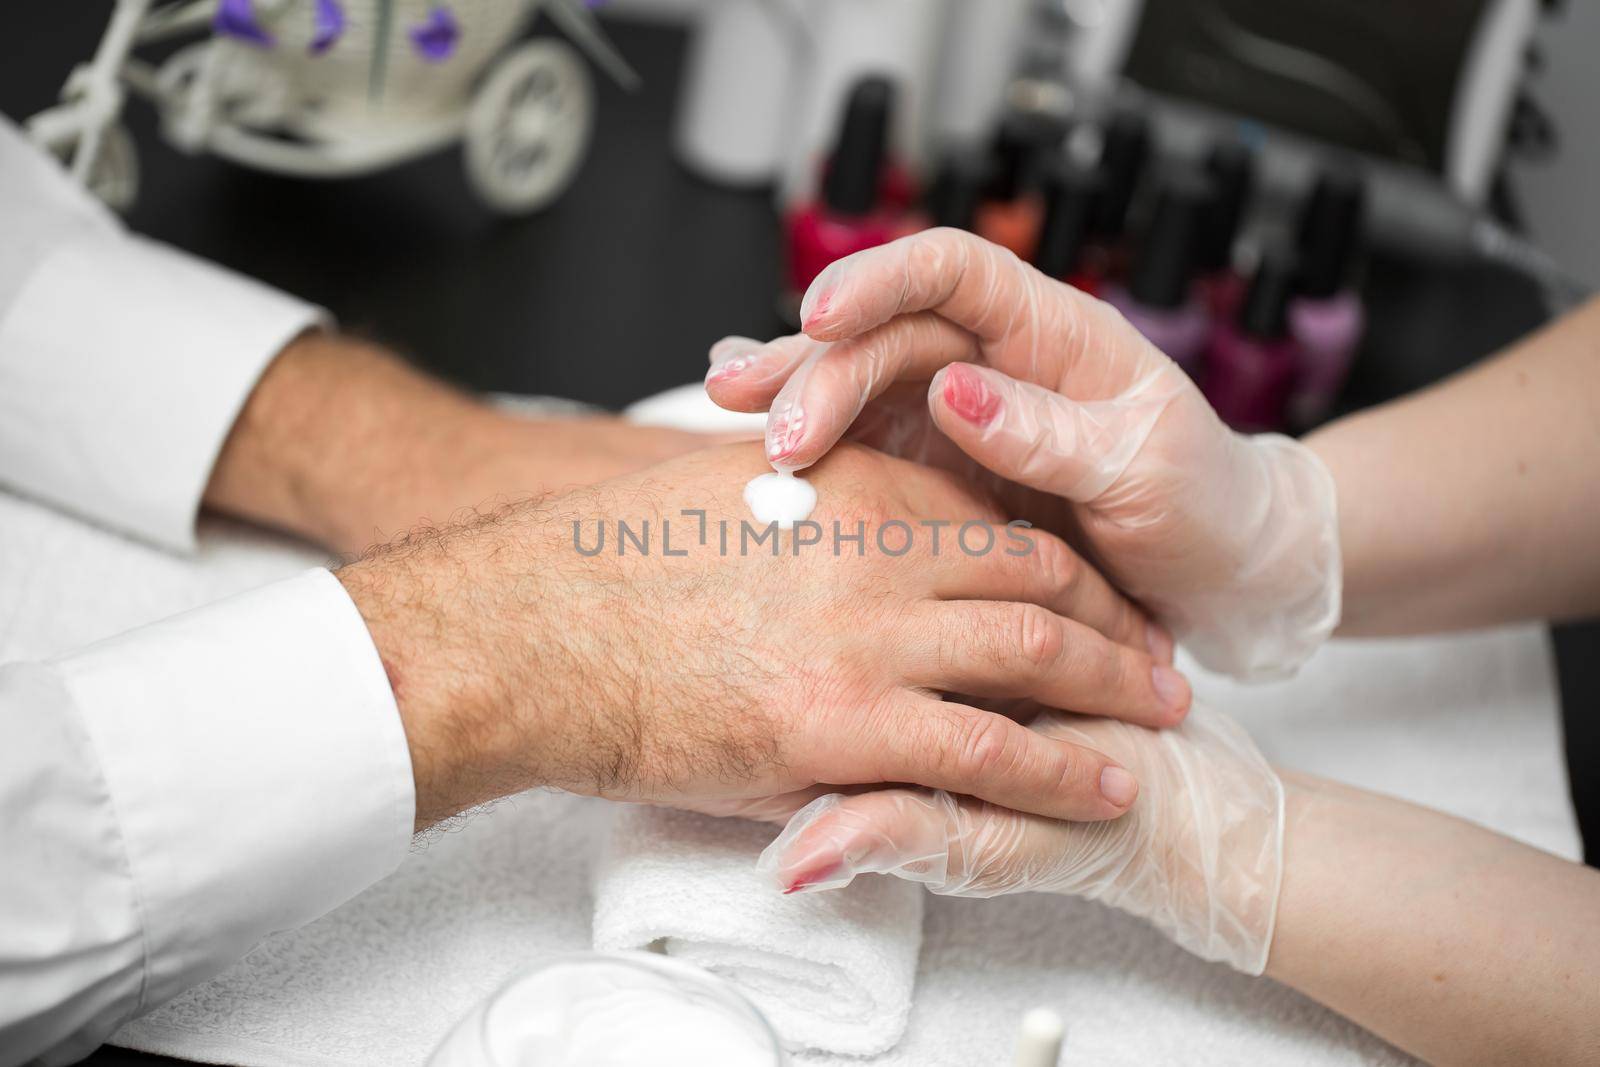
(1062, 567)
(984, 750)
(1036, 636)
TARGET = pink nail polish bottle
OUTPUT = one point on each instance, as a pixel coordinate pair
(1161, 299)
(1230, 167)
(1250, 365)
(849, 216)
(1327, 317)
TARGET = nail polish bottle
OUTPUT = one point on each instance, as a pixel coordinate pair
(1161, 299)
(850, 215)
(1250, 366)
(1326, 316)
(1070, 195)
(1012, 208)
(1230, 167)
(952, 199)
(1124, 154)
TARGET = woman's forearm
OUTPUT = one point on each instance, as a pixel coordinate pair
(1451, 941)
(1476, 501)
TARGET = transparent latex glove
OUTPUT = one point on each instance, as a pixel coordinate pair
(944, 348)
(1200, 854)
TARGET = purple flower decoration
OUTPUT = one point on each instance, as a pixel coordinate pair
(328, 25)
(435, 39)
(237, 18)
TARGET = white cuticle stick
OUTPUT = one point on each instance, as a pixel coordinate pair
(1039, 1041)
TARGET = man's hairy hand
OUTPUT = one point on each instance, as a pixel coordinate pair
(713, 678)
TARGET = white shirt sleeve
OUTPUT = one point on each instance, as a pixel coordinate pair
(123, 362)
(172, 795)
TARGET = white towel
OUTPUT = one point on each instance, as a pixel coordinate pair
(830, 971)
(1467, 723)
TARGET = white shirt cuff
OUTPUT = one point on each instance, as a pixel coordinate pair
(257, 766)
(123, 364)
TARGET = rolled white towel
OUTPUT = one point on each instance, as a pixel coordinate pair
(830, 971)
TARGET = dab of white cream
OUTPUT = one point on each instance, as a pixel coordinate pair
(780, 497)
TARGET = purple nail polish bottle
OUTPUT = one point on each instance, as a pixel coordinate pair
(1326, 316)
(1251, 361)
(1161, 299)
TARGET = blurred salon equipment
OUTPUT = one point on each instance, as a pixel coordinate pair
(333, 88)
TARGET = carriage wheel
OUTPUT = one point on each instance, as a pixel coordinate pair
(114, 178)
(528, 126)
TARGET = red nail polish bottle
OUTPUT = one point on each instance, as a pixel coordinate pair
(1070, 196)
(1230, 166)
(850, 215)
(1250, 366)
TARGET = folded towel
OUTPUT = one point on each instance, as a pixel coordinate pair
(830, 971)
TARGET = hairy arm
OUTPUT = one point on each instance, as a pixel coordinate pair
(344, 444)
(1476, 501)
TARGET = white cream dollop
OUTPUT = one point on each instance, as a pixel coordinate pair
(780, 497)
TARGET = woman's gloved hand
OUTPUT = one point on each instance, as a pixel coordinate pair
(1080, 424)
(1200, 854)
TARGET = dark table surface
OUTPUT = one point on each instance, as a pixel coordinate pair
(617, 290)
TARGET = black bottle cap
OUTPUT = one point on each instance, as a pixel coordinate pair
(957, 188)
(850, 186)
(1123, 154)
(1230, 166)
(1070, 196)
(1165, 264)
(1330, 230)
(1023, 145)
(1265, 313)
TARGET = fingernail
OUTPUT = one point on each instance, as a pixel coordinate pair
(784, 434)
(1160, 642)
(966, 394)
(1170, 686)
(1118, 786)
(728, 369)
(812, 878)
(814, 307)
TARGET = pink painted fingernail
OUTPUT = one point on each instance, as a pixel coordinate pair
(784, 434)
(816, 308)
(721, 372)
(808, 879)
(1118, 786)
(1170, 686)
(966, 394)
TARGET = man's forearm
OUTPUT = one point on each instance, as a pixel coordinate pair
(1474, 502)
(336, 431)
(1455, 943)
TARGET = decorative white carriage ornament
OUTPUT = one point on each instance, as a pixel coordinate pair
(330, 88)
